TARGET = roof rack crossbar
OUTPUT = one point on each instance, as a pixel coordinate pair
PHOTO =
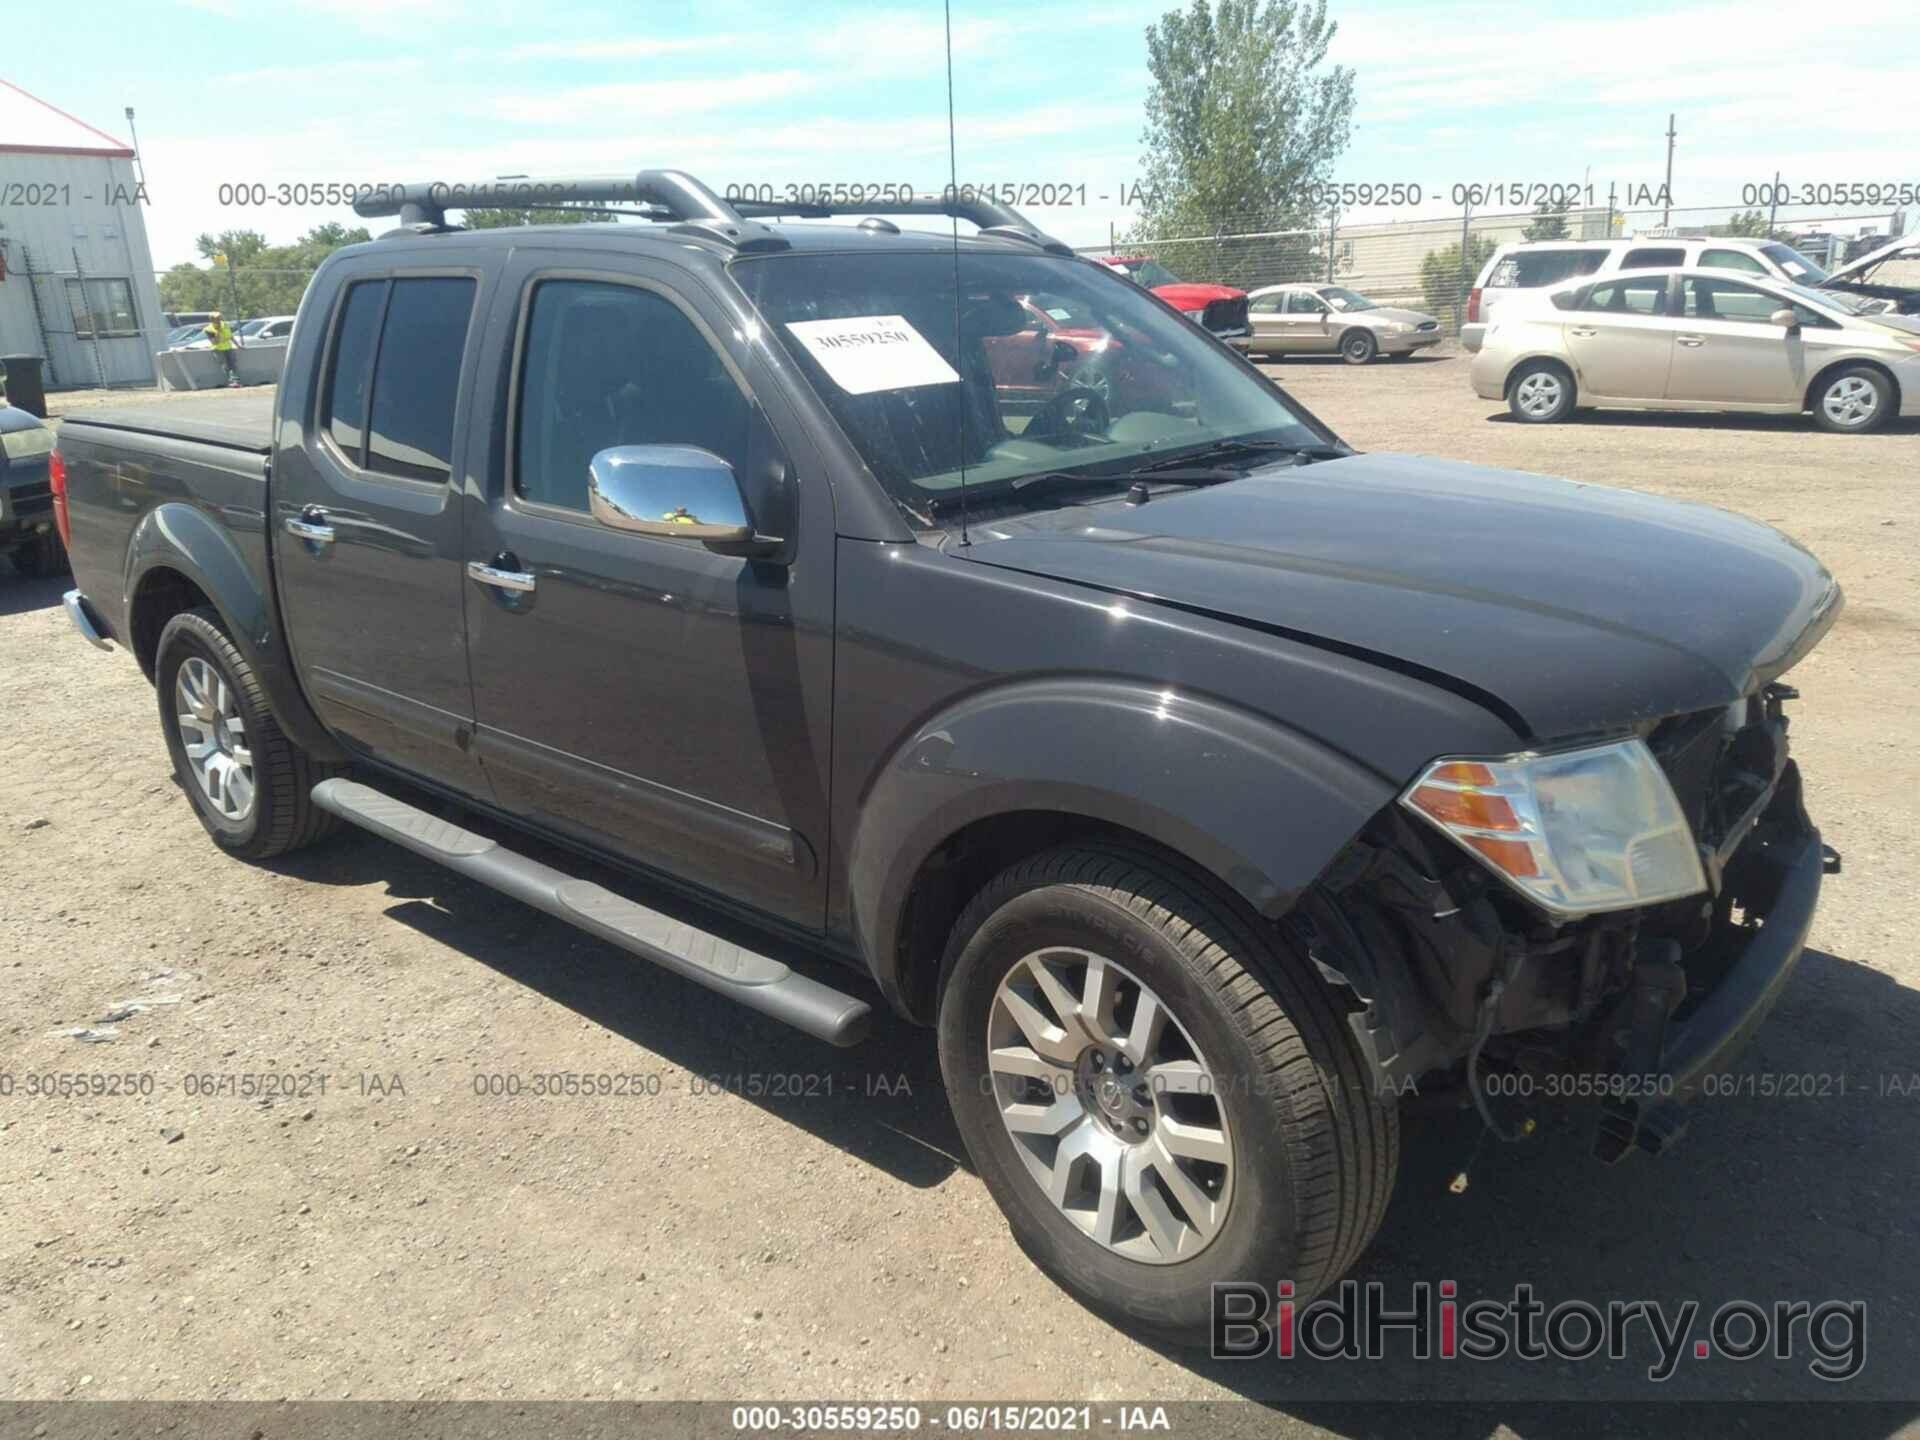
(674, 195)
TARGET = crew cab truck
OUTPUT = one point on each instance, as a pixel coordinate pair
(1206, 785)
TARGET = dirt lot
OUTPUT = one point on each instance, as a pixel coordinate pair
(764, 1217)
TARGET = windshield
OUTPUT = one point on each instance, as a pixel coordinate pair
(1793, 264)
(1343, 299)
(1832, 300)
(1006, 399)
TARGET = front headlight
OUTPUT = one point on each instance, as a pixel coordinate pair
(1577, 832)
(28, 444)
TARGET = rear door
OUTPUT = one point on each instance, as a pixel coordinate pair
(645, 695)
(1621, 339)
(367, 526)
(1264, 317)
(1726, 349)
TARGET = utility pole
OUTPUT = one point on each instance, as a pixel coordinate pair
(1466, 280)
(138, 164)
(1773, 209)
(1666, 213)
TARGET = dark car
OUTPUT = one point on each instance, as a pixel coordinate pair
(27, 532)
(1207, 786)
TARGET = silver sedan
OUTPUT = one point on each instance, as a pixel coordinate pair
(1333, 320)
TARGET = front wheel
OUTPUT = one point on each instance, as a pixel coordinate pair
(1540, 393)
(1853, 401)
(1358, 347)
(1158, 1097)
(250, 785)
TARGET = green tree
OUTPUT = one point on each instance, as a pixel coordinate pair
(1549, 223)
(1749, 223)
(1244, 119)
(264, 280)
(557, 215)
(1444, 280)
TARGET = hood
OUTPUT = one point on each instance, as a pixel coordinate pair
(1562, 607)
(1853, 268)
(1190, 296)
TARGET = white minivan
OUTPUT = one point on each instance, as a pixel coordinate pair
(1534, 264)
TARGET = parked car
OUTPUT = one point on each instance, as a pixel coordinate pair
(1700, 340)
(27, 532)
(1889, 273)
(188, 337)
(1535, 265)
(1154, 751)
(1218, 308)
(267, 330)
(1331, 319)
(196, 318)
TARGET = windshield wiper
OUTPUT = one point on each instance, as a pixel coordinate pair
(1186, 474)
(1305, 453)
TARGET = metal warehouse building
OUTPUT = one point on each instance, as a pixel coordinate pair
(76, 277)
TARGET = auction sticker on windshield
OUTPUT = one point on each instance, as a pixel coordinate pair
(866, 353)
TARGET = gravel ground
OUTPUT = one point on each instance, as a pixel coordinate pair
(759, 1216)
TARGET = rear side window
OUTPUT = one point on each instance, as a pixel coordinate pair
(1654, 257)
(395, 374)
(609, 365)
(1530, 269)
(1731, 260)
(352, 366)
(1642, 296)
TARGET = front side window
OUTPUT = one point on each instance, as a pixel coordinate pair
(102, 309)
(1705, 298)
(902, 352)
(1299, 302)
(605, 365)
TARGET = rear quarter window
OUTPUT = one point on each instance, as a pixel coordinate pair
(1530, 269)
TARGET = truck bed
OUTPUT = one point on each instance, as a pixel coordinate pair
(235, 420)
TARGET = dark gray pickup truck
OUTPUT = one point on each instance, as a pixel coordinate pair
(963, 611)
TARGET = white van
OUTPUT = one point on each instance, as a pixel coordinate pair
(1532, 264)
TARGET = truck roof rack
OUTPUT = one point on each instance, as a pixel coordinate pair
(678, 198)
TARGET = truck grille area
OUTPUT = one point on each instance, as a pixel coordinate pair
(1226, 317)
(1724, 764)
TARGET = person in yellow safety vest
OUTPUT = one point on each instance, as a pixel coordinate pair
(220, 336)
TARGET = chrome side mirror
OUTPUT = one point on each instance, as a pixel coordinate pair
(676, 492)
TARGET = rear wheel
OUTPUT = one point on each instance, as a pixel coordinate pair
(1155, 1094)
(1852, 400)
(1540, 393)
(249, 784)
(1358, 347)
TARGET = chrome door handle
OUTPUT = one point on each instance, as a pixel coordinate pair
(311, 530)
(519, 580)
(1692, 342)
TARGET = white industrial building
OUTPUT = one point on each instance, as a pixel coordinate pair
(76, 277)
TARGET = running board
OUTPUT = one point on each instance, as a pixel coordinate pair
(754, 980)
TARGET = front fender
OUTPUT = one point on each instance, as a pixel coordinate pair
(1261, 807)
(181, 537)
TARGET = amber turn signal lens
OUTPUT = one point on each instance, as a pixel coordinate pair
(1461, 772)
(1513, 856)
(1469, 809)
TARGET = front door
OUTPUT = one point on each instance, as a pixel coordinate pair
(645, 695)
(367, 526)
(1306, 325)
(1727, 349)
(1621, 339)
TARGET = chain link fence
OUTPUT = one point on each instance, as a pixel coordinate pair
(1429, 264)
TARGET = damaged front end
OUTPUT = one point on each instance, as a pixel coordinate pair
(1474, 984)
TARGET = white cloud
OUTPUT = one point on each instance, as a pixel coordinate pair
(644, 48)
(653, 100)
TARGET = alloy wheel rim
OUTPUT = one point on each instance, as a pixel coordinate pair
(1850, 401)
(214, 735)
(1539, 394)
(1112, 1108)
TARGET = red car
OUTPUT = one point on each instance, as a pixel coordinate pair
(1058, 347)
(1218, 308)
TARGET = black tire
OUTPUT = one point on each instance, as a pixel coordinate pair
(1315, 1151)
(282, 817)
(1841, 389)
(1358, 347)
(1555, 380)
